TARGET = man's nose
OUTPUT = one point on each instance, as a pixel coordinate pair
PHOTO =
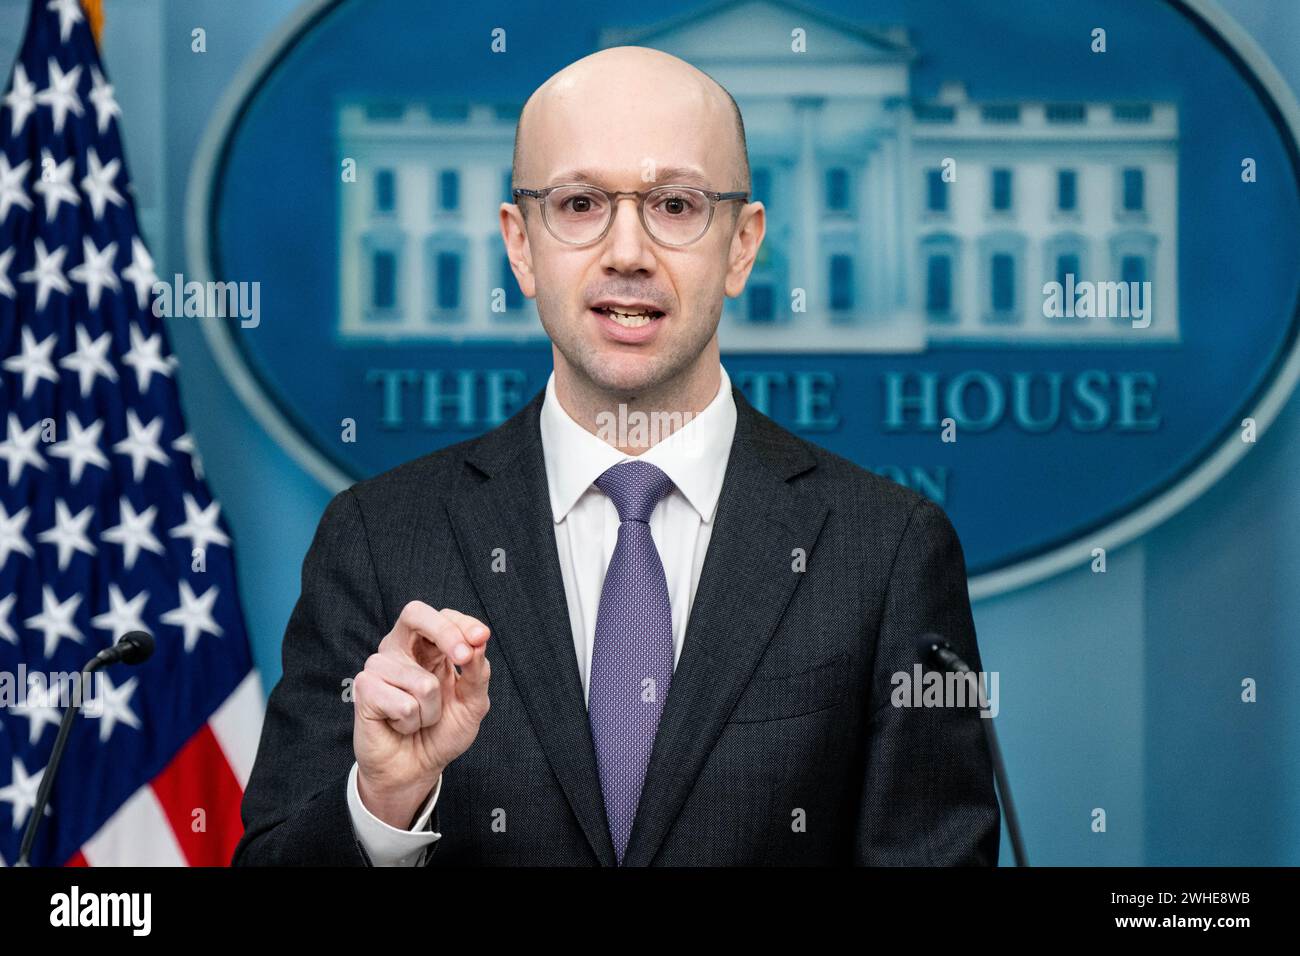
(628, 246)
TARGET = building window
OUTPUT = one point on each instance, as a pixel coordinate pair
(380, 260)
(938, 285)
(762, 303)
(383, 292)
(1133, 269)
(445, 256)
(940, 258)
(1067, 264)
(841, 282)
(934, 113)
(1067, 190)
(448, 281)
(936, 192)
(761, 183)
(1133, 259)
(385, 191)
(1001, 256)
(1134, 200)
(1065, 254)
(1003, 272)
(1066, 113)
(449, 190)
(1000, 113)
(1131, 112)
(1002, 190)
(837, 189)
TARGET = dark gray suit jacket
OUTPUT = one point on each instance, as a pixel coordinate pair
(778, 743)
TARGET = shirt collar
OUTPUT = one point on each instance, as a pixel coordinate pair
(693, 456)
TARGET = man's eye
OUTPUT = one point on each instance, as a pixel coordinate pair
(675, 205)
(580, 204)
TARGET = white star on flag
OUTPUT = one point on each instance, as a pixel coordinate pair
(101, 95)
(12, 540)
(123, 616)
(90, 359)
(200, 525)
(98, 184)
(21, 101)
(55, 620)
(134, 532)
(141, 444)
(140, 273)
(194, 616)
(81, 447)
(11, 186)
(61, 95)
(35, 362)
(96, 270)
(48, 273)
(55, 184)
(21, 793)
(114, 707)
(69, 13)
(145, 357)
(38, 711)
(20, 448)
(69, 532)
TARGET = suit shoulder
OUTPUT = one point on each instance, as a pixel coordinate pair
(839, 480)
(429, 477)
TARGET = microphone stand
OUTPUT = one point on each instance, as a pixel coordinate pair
(941, 651)
(133, 648)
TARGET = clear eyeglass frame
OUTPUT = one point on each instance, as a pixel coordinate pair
(641, 196)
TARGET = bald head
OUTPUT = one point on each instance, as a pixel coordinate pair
(642, 104)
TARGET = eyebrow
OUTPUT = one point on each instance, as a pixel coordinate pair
(684, 175)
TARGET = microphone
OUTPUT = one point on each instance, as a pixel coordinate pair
(936, 650)
(134, 647)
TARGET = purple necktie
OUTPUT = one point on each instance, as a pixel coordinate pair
(632, 657)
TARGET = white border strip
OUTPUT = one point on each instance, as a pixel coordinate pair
(237, 725)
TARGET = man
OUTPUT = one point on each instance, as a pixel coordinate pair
(689, 641)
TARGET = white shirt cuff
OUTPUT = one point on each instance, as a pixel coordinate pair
(386, 845)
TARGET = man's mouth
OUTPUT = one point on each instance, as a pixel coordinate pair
(629, 318)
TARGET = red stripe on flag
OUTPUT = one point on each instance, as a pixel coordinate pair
(200, 779)
(78, 859)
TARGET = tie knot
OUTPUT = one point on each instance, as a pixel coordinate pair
(635, 487)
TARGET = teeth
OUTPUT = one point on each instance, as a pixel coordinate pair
(629, 320)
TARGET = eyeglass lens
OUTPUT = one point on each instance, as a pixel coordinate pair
(673, 214)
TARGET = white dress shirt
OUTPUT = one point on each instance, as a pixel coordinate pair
(586, 530)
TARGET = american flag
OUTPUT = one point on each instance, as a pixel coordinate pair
(106, 523)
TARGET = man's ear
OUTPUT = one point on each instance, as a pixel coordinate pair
(745, 242)
(514, 232)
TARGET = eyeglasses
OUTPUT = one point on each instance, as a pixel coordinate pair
(579, 213)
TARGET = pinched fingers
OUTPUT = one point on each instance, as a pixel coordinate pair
(420, 626)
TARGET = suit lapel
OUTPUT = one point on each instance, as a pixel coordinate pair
(526, 606)
(745, 584)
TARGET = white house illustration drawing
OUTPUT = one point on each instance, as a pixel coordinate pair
(891, 254)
